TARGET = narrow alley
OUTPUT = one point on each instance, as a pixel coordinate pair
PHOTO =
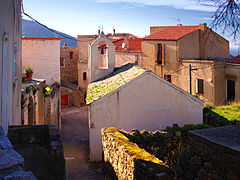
(75, 140)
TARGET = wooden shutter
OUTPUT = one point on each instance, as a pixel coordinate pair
(199, 86)
(163, 54)
(156, 53)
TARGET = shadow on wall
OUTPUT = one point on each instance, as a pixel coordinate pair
(41, 148)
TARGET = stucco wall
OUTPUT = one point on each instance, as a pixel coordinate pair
(82, 67)
(144, 103)
(123, 57)
(43, 56)
(188, 46)
(10, 30)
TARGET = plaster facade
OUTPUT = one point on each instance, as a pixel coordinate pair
(124, 57)
(204, 49)
(147, 102)
(43, 55)
(10, 57)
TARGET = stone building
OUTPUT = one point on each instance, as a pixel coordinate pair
(170, 50)
(69, 64)
(131, 97)
(43, 55)
(10, 57)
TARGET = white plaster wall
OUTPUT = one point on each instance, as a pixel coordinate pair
(145, 103)
(44, 57)
(11, 27)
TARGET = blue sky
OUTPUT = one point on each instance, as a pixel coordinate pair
(133, 16)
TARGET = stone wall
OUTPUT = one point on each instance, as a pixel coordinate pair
(128, 160)
(11, 163)
(46, 136)
(166, 146)
(69, 64)
(211, 154)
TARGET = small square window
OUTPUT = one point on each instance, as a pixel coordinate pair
(168, 77)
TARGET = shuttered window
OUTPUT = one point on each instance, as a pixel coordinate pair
(199, 86)
(160, 54)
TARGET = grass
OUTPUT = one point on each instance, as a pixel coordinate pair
(230, 112)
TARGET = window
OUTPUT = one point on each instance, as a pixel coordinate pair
(160, 54)
(62, 62)
(136, 59)
(84, 76)
(199, 86)
(71, 55)
(168, 77)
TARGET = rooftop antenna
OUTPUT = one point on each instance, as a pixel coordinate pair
(178, 20)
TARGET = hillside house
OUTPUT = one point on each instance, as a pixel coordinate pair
(170, 50)
(130, 97)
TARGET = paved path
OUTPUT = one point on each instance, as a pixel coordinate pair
(75, 140)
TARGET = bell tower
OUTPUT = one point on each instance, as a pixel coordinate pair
(101, 58)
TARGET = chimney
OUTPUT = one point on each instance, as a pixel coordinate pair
(203, 26)
(114, 31)
(126, 41)
(99, 31)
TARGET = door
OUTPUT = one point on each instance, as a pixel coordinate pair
(230, 90)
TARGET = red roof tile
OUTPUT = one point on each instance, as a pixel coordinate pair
(235, 60)
(135, 44)
(172, 32)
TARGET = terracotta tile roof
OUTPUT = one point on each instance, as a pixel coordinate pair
(235, 60)
(134, 44)
(118, 78)
(172, 32)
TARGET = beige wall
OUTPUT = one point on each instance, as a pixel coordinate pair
(44, 57)
(144, 103)
(84, 42)
(69, 72)
(10, 89)
(123, 57)
(82, 67)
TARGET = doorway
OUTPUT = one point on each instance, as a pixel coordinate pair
(230, 90)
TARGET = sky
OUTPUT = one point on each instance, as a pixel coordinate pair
(78, 17)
